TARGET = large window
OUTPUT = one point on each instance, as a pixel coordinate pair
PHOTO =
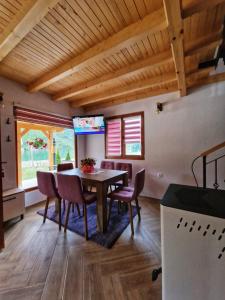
(43, 141)
(125, 136)
(41, 148)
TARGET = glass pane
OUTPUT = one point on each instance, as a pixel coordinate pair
(42, 149)
(34, 156)
(132, 135)
(64, 146)
(114, 137)
(133, 149)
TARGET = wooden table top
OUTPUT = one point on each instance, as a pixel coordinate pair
(99, 175)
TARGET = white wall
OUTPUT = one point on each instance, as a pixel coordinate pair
(81, 143)
(185, 128)
(15, 93)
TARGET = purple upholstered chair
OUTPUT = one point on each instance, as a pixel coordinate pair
(128, 194)
(70, 188)
(105, 164)
(124, 167)
(64, 167)
(108, 165)
(47, 186)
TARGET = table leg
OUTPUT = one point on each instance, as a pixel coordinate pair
(125, 183)
(125, 179)
(102, 206)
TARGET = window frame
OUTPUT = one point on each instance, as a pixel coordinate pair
(35, 187)
(123, 154)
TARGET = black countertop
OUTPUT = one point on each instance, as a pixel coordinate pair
(203, 201)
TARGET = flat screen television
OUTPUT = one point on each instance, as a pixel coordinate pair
(89, 124)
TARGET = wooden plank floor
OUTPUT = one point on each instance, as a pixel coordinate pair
(40, 262)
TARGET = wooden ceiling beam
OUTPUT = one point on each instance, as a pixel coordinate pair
(176, 32)
(150, 24)
(131, 97)
(150, 93)
(120, 91)
(195, 6)
(207, 80)
(204, 40)
(22, 23)
(148, 63)
(203, 46)
(195, 76)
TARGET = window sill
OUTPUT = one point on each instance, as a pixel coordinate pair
(30, 189)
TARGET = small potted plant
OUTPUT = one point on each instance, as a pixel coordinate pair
(87, 165)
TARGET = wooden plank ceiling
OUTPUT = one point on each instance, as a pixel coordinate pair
(98, 53)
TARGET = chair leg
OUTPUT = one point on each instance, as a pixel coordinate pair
(60, 215)
(64, 204)
(110, 210)
(67, 216)
(78, 209)
(131, 218)
(46, 209)
(138, 209)
(118, 206)
(85, 221)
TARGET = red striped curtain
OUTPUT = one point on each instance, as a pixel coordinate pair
(32, 116)
(113, 138)
(132, 130)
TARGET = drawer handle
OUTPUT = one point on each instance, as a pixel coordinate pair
(9, 199)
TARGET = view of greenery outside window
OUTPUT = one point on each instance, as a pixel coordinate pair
(42, 152)
(133, 149)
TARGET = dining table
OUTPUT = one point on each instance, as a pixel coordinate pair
(101, 179)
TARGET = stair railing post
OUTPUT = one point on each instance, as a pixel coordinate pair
(204, 171)
(216, 185)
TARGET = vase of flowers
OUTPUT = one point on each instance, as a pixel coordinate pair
(87, 165)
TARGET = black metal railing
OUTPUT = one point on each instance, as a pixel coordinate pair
(205, 163)
(204, 156)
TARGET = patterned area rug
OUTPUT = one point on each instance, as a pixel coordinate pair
(117, 224)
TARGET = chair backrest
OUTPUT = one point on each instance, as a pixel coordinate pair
(139, 183)
(105, 164)
(64, 167)
(70, 188)
(46, 184)
(125, 167)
